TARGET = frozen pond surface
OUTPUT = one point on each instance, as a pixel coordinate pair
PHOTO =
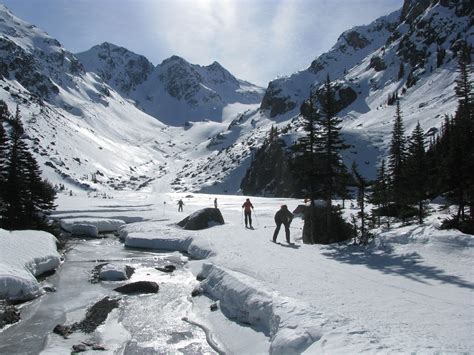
(143, 324)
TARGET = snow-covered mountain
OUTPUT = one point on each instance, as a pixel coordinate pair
(174, 91)
(87, 130)
(86, 135)
(83, 132)
(412, 52)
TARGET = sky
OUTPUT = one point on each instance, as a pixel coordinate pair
(256, 40)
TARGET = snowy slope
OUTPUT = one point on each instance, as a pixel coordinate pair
(87, 136)
(84, 133)
(411, 291)
(174, 91)
(88, 132)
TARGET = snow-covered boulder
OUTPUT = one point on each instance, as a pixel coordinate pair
(103, 224)
(202, 219)
(113, 272)
(24, 255)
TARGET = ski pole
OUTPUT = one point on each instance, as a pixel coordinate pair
(256, 219)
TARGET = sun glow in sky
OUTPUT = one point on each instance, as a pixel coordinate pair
(256, 40)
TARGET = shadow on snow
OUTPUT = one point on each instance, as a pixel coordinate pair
(407, 265)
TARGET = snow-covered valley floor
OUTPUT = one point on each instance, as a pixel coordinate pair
(411, 291)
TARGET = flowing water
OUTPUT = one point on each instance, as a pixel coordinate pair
(143, 324)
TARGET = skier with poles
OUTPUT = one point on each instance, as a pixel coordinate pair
(285, 217)
(248, 207)
(180, 205)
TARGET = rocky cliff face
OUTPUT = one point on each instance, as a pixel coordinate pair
(122, 69)
(38, 62)
(412, 36)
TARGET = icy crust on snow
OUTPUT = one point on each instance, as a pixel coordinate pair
(24, 255)
(278, 317)
(81, 225)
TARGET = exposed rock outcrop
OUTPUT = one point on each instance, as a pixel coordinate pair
(8, 314)
(138, 287)
(202, 219)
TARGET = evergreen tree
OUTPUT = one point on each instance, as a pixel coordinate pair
(306, 163)
(416, 171)
(4, 115)
(321, 168)
(328, 147)
(28, 198)
(362, 185)
(305, 160)
(15, 196)
(380, 190)
(463, 146)
(401, 71)
(397, 158)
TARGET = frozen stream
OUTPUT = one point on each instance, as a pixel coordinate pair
(143, 324)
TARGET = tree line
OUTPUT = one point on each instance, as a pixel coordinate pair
(416, 170)
(26, 199)
(419, 170)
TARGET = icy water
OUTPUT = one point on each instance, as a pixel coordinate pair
(143, 324)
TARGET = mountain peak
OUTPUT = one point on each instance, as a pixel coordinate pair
(174, 59)
(215, 65)
(107, 45)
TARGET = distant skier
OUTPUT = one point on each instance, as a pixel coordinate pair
(215, 202)
(248, 207)
(180, 205)
(285, 217)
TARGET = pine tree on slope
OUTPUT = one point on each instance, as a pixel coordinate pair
(362, 186)
(28, 198)
(397, 158)
(416, 171)
(380, 190)
(329, 144)
(4, 114)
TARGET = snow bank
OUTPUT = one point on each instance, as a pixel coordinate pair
(157, 241)
(24, 255)
(291, 325)
(102, 224)
(154, 235)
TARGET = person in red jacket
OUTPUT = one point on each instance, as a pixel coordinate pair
(248, 207)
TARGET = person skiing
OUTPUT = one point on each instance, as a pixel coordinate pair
(283, 216)
(215, 202)
(248, 207)
(180, 205)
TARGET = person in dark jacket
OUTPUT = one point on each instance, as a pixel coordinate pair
(180, 205)
(283, 216)
(248, 207)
